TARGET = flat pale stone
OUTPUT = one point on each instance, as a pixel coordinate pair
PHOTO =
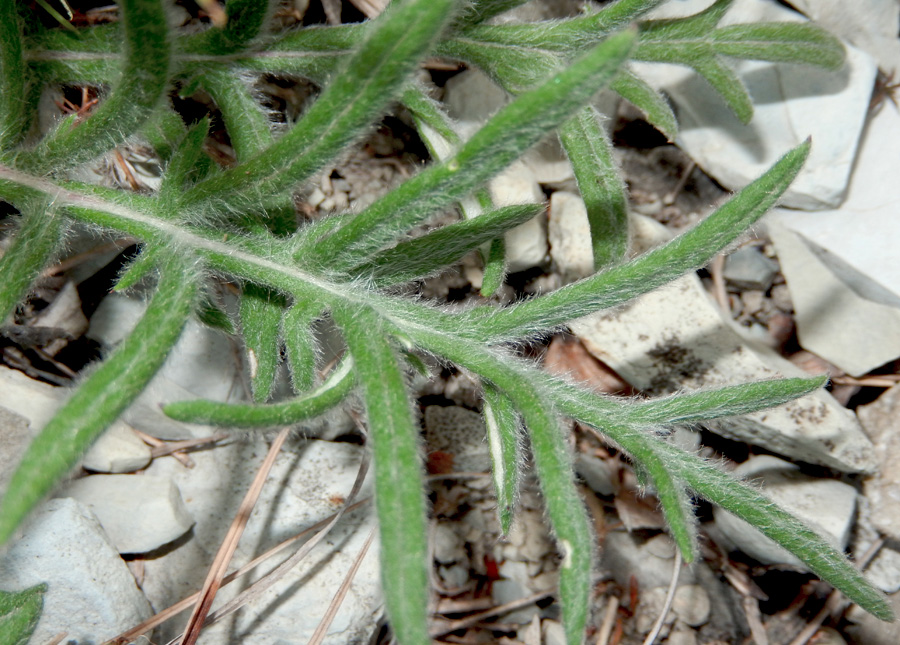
(834, 320)
(449, 546)
(865, 628)
(309, 481)
(64, 312)
(471, 98)
(871, 25)
(596, 473)
(35, 401)
(826, 505)
(626, 555)
(554, 633)
(859, 240)
(202, 364)
(791, 103)
(748, 270)
(138, 513)
(649, 609)
(91, 593)
(459, 432)
(15, 436)
(674, 339)
(118, 450)
(202, 361)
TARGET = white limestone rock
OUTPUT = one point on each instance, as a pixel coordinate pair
(598, 474)
(834, 320)
(138, 513)
(459, 432)
(309, 482)
(448, 545)
(553, 632)
(15, 436)
(857, 245)
(570, 236)
(871, 25)
(652, 603)
(748, 269)
(825, 505)
(865, 628)
(882, 489)
(691, 605)
(791, 103)
(91, 594)
(203, 364)
(35, 401)
(651, 562)
(526, 245)
(675, 339)
(118, 450)
(471, 98)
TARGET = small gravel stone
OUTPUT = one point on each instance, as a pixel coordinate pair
(454, 577)
(553, 632)
(529, 537)
(781, 298)
(448, 545)
(596, 473)
(649, 609)
(661, 546)
(753, 301)
(691, 605)
(683, 637)
(747, 269)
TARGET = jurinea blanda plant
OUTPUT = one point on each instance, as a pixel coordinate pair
(239, 223)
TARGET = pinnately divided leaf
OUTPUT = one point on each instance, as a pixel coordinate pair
(226, 245)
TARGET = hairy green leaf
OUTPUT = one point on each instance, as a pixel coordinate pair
(13, 118)
(399, 496)
(300, 343)
(507, 135)
(422, 256)
(261, 313)
(38, 235)
(143, 79)
(601, 187)
(360, 93)
(242, 415)
(653, 104)
(685, 253)
(19, 614)
(502, 423)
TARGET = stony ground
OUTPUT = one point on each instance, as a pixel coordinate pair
(832, 459)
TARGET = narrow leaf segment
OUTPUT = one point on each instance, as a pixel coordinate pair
(19, 614)
(502, 423)
(399, 497)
